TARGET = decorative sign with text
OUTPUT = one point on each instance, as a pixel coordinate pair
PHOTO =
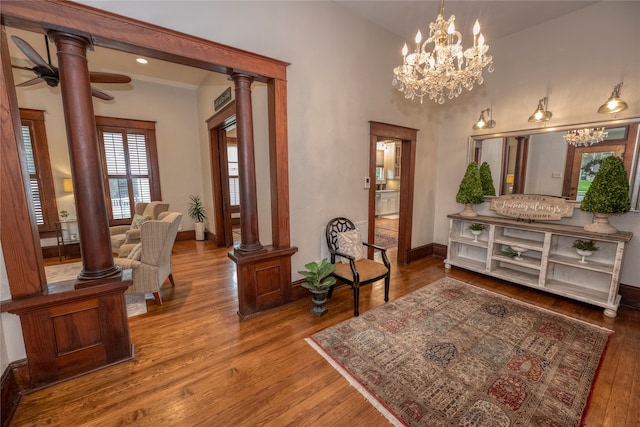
(222, 99)
(532, 207)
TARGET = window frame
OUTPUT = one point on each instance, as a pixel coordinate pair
(127, 126)
(34, 120)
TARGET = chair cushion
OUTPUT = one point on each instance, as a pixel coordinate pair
(350, 243)
(138, 220)
(366, 268)
(136, 252)
(117, 240)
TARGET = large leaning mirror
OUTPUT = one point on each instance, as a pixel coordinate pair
(541, 161)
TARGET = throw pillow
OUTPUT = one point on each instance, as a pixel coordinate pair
(136, 252)
(350, 243)
(138, 220)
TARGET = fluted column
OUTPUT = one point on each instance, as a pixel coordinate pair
(84, 154)
(250, 236)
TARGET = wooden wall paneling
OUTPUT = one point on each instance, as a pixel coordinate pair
(18, 231)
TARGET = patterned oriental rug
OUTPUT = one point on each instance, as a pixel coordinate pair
(454, 354)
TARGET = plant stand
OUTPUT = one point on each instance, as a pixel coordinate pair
(468, 211)
(319, 298)
(601, 225)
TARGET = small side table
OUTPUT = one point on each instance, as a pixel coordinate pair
(70, 230)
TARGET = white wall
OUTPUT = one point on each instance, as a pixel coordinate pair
(576, 63)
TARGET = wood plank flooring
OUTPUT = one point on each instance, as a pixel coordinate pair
(196, 363)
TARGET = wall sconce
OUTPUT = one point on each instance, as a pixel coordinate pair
(67, 185)
(541, 114)
(483, 123)
(614, 104)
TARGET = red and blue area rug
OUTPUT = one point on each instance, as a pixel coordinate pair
(454, 354)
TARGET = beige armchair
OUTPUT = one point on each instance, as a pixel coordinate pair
(150, 260)
(130, 234)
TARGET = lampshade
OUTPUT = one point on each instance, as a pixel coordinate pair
(541, 114)
(614, 104)
(482, 122)
(67, 185)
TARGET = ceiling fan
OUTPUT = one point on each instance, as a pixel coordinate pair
(49, 74)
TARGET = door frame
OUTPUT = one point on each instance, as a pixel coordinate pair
(216, 126)
(408, 137)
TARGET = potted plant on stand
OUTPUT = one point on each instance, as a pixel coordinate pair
(476, 229)
(470, 191)
(319, 280)
(607, 195)
(584, 248)
(198, 215)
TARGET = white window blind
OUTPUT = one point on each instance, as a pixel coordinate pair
(127, 166)
(34, 181)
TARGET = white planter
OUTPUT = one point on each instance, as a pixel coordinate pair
(583, 254)
(199, 227)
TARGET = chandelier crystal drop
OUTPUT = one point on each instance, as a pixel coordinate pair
(585, 137)
(447, 67)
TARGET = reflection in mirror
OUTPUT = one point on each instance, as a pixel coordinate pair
(539, 161)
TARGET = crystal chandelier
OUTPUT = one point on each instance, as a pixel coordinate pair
(586, 137)
(446, 67)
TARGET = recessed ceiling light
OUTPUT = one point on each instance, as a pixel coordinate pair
(141, 60)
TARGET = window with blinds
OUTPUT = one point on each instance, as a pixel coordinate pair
(234, 182)
(43, 197)
(129, 163)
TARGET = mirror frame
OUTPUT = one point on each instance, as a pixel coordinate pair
(634, 176)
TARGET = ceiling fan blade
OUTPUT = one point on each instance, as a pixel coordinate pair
(20, 67)
(100, 94)
(31, 82)
(98, 77)
(32, 54)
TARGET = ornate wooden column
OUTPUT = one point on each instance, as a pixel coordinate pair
(250, 238)
(82, 137)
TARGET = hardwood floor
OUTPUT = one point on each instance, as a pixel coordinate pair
(196, 363)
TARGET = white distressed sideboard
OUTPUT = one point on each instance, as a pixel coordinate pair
(549, 262)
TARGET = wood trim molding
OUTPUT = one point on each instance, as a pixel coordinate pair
(113, 31)
(408, 136)
(630, 296)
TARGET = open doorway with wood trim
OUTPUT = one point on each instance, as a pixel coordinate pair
(225, 168)
(394, 205)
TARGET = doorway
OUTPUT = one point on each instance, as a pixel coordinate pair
(392, 192)
(223, 146)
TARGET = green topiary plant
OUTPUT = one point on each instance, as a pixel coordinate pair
(487, 180)
(470, 190)
(609, 191)
(607, 195)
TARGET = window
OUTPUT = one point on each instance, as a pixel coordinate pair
(36, 149)
(130, 165)
(234, 183)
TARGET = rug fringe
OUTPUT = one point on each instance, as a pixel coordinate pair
(381, 407)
